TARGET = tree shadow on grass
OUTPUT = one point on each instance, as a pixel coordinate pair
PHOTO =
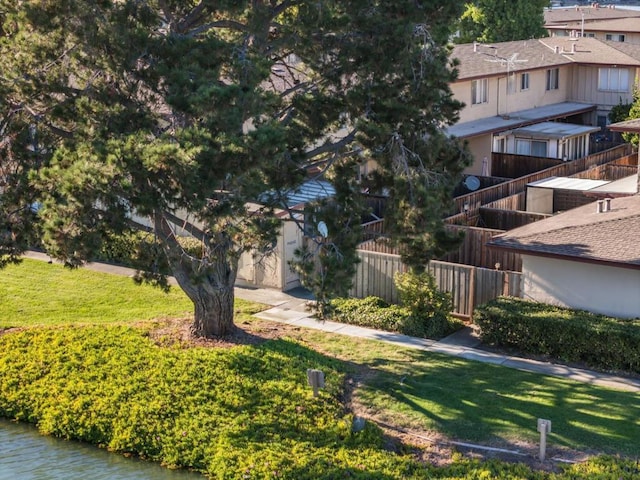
(489, 403)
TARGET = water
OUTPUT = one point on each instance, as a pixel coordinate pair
(27, 455)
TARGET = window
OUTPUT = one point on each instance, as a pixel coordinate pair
(524, 81)
(534, 148)
(538, 149)
(552, 78)
(479, 90)
(615, 37)
(613, 79)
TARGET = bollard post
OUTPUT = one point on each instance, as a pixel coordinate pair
(544, 427)
(315, 378)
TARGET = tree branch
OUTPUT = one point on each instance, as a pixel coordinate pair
(332, 147)
(187, 226)
(219, 24)
(191, 18)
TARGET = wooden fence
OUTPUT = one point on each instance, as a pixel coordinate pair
(472, 202)
(505, 219)
(469, 286)
(513, 166)
(473, 250)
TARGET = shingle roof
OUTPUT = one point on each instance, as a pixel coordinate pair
(564, 15)
(583, 234)
(625, 25)
(593, 51)
(631, 49)
(488, 60)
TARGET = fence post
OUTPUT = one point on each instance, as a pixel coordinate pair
(472, 292)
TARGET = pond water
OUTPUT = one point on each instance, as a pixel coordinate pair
(27, 455)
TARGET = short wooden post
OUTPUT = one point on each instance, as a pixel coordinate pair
(315, 378)
(544, 427)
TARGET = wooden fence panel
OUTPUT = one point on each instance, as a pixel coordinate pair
(374, 276)
(474, 251)
(469, 286)
(475, 200)
(458, 280)
(509, 219)
(512, 202)
(515, 166)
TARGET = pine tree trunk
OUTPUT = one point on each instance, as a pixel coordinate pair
(213, 312)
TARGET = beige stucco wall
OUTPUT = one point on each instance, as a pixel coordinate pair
(479, 147)
(584, 88)
(629, 37)
(500, 104)
(600, 289)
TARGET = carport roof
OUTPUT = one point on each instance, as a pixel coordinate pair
(629, 126)
(555, 130)
(568, 183)
(518, 119)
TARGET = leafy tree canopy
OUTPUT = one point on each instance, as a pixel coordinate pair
(633, 113)
(502, 20)
(177, 116)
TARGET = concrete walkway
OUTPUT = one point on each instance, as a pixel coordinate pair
(291, 308)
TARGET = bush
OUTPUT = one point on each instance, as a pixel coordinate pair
(430, 308)
(371, 312)
(374, 312)
(140, 250)
(565, 334)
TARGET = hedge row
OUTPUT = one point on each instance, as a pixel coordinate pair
(565, 334)
(374, 312)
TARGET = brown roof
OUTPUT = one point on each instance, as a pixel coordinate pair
(593, 51)
(624, 25)
(582, 234)
(629, 126)
(491, 59)
(631, 49)
(574, 14)
(485, 60)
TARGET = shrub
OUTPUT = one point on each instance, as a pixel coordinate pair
(139, 249)
(371, 312)
(430, 307)
(562, 333)
(374, 312)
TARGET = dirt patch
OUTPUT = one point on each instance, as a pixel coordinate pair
(177, 332)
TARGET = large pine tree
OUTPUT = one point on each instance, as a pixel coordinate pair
(162, 115)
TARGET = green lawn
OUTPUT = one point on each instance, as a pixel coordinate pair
(39, 293)
(488, 403)
(463, 399)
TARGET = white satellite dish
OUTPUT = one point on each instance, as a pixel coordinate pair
(322, 228)
(472, 183)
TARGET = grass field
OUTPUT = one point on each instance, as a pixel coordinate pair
(421, 391)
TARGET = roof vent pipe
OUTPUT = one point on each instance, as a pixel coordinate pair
(573, 48)
(607, 204)
(556, 49)
(475, 47)
(599, 206)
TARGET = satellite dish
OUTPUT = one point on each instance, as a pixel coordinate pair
(472, 183)
(322, 228)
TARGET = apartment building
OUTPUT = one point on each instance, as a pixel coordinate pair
(604, 22)
(541, 97)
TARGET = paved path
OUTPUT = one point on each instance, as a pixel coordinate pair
(291, 308)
